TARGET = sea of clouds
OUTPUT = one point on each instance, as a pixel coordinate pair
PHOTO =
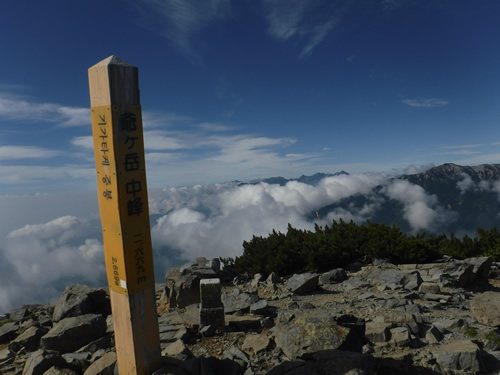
(50, 241)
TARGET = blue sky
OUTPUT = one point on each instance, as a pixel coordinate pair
(245, 89)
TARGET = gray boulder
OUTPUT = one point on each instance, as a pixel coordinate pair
(103, 366)
(311, 331)
(183, 284)
(72, 333)
(80, 300)
(273, 279)
(78, 359)
(303, 283)
(260, 307)
(40, 361)
(466, 273)
(377, 332)
(334, 276)
(238, 302)
(8, 332)
(413, 280)
(429, 287)
(458, 357)
(29, 340)
(387, 275)
(434, 335)
(54, 370)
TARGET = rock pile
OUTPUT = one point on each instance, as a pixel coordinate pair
(439, 318)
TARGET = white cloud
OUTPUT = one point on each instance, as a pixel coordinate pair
(44, 258)
(461, 149)
(156, 119)
(181, 20)
(214, 220)
(13, 87)
(422, 211)
(15, 108)
(214, 127)
(466, 183)
(480, 159)
(33, 174)
(462, 146)
(425, 102)
(160, 140)
(38, 260)
(308, 21)
(414, 169)
(26, 152)
(84, 141)
(461, 152)
(221, 157)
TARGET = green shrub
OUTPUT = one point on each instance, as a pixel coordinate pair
(493, 337)
(342, 243)
(471, 332)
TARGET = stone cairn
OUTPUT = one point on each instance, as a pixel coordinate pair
(380, 318)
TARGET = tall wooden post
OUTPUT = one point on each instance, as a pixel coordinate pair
(123, 203)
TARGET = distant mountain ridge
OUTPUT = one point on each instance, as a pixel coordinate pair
(309, 180)
(471, 192)
(453, 172)
(468, 197)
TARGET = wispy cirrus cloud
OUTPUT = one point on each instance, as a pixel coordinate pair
(307, 21)
(25, 152)
(209, 152)
(16, 108)
(425, 102)
(453, 147)
(163, 140)
(181, 20)
(461, 152)
(84, 141)
(469, 149)
(155, 119)
(486, 158)
(214, 127)
(394, 4)
(34, 175)
(13, 87)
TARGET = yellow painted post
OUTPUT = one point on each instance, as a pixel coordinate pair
(123, 203)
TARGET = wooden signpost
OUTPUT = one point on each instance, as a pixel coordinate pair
(123, 203)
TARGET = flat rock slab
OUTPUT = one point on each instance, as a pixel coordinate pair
(103, 366)
(240, 302)
(54, 370)
(485, 308)
(29, 339)
(40, 361)
(71, 334)
(377, 332)
(8, 331)
(331, 362)
(311, 332)
(391, 277)
(255, 344)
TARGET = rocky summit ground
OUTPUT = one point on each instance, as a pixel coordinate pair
(378, 318)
